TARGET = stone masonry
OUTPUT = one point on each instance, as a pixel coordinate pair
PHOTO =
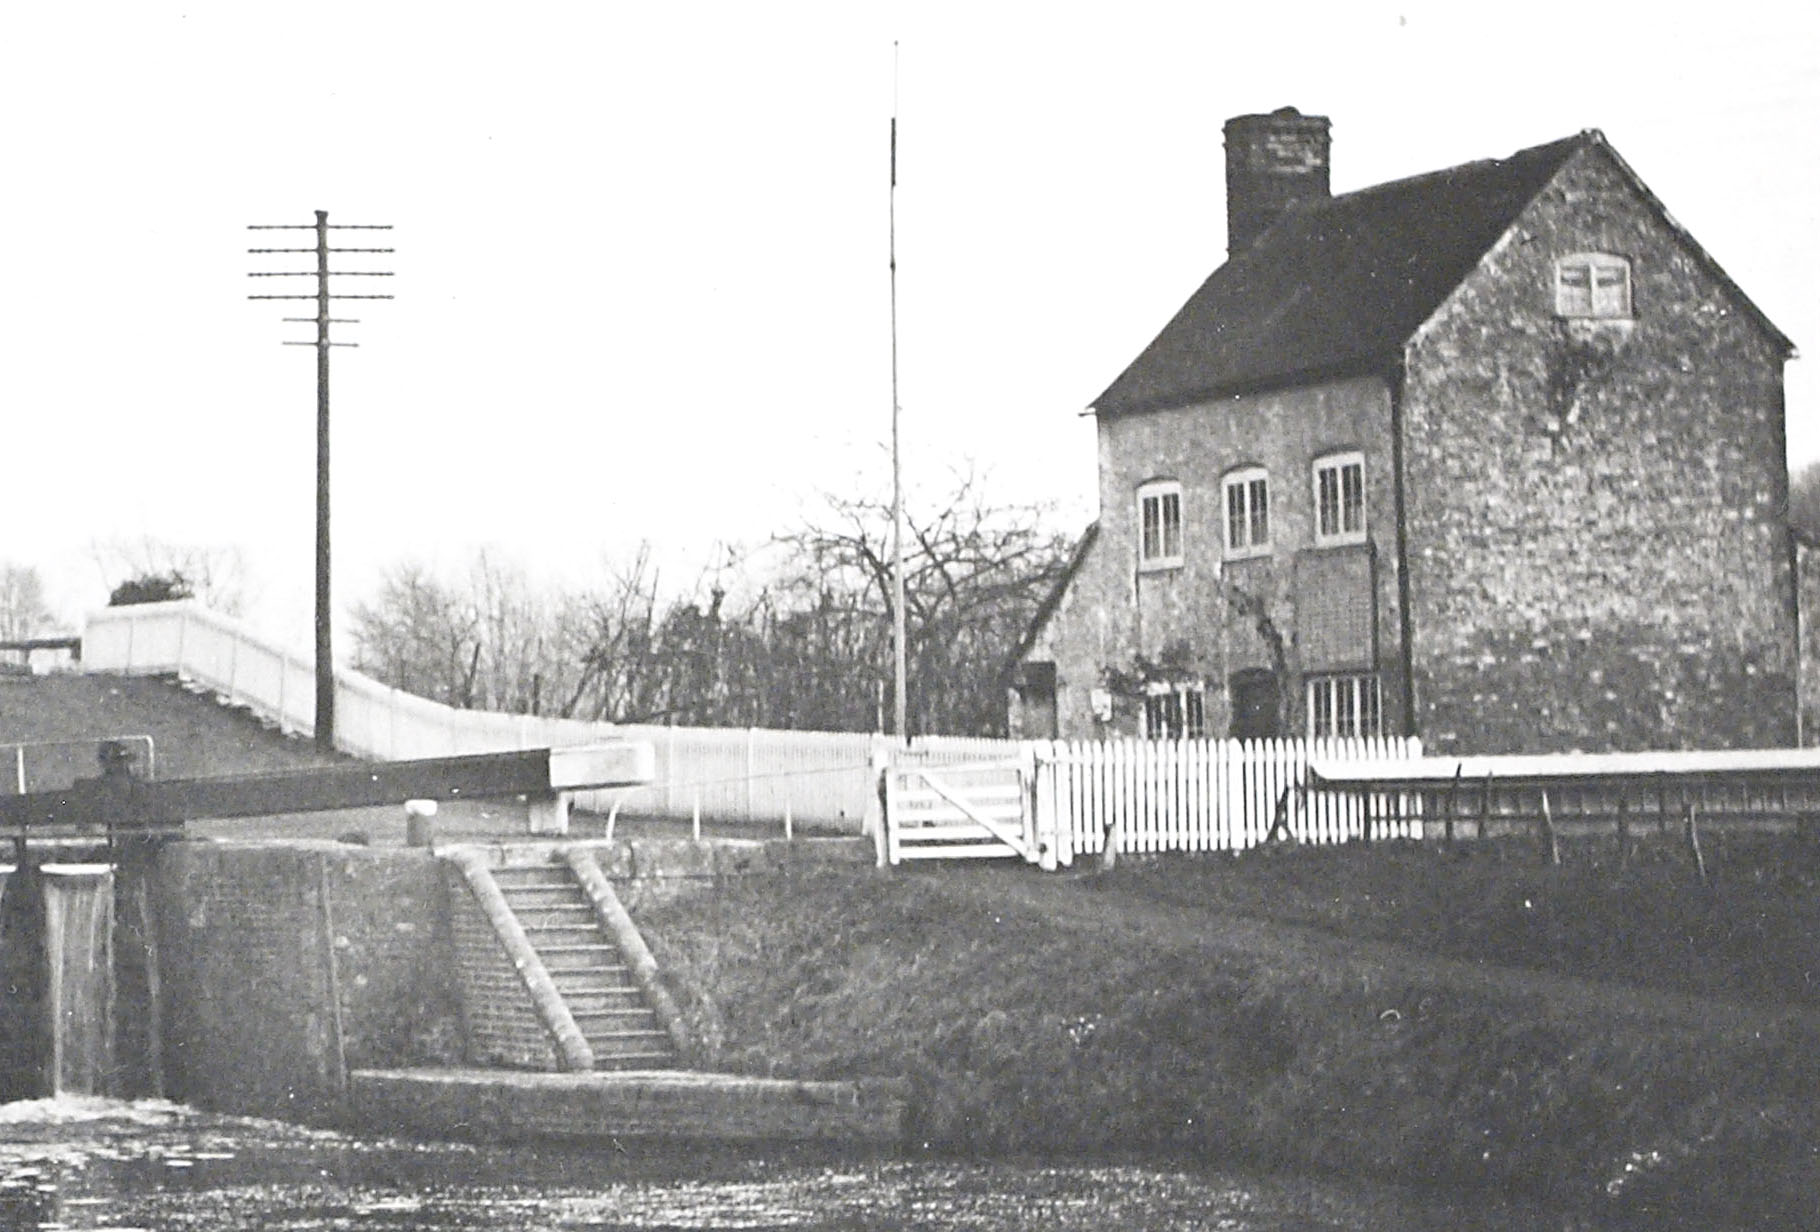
(1209, 619)
(1599, 557)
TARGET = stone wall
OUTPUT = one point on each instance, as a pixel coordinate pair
(1210, 617)
(1598, 555)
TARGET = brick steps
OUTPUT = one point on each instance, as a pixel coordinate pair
(586, 967)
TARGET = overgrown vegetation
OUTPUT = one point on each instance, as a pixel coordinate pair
(151, 588)
(151, 570)
(1162, 1008)
(798, 637)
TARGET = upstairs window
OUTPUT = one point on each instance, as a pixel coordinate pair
(1339, 499)
(1247, 512)
(1592, 285)
(1344, 707)
(1175, 712)
(1160, 525)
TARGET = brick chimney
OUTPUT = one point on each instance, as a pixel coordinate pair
(1272, 162)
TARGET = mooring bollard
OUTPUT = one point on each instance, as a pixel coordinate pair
(419, 823)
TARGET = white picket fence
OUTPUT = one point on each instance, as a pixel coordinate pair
(1207, 795)
(1062, 799)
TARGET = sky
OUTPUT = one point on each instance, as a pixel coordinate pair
(642, 279)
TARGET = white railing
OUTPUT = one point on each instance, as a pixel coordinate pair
(826, 780)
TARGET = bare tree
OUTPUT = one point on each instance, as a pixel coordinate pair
(419, 635)
(807, 646)
(974, 575)
(23, 612)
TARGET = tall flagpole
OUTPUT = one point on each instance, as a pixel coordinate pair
(900, 701)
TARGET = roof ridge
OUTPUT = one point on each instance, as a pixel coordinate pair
(1586, 136)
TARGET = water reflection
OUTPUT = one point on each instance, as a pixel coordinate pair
(96, 1164)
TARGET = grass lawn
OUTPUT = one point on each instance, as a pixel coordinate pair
(1387, 1011)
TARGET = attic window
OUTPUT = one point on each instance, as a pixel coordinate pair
(1592, 284)
(1160, 525)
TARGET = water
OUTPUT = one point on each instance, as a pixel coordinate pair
(78, 925)
(85, 1163)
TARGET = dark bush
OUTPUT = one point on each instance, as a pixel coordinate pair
(151, 588)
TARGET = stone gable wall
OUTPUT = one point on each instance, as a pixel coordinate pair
(1598, 552)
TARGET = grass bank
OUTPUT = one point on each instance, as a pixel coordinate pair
(1326, 1010)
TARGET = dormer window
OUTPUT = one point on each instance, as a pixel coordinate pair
(1247, 512)
(1592, 285)
(1160, 525)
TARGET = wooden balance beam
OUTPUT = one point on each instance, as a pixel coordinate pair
(125, 803)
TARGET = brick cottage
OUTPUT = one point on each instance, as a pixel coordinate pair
(1493, 456)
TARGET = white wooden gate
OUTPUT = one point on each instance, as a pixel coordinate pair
(961, 810)
(1054, 800)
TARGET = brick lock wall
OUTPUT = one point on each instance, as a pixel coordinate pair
(246, 938)
(248, 1026)
(399, 1000)
(1209, 611)
(1597, 549)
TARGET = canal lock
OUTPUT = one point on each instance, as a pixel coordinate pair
(78, 970)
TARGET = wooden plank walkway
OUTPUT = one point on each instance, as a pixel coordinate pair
(506, 1105)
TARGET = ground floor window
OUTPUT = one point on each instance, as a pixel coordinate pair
(1175, 712)
(1344, 706)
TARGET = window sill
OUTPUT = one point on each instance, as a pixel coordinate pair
(1257, 553)
(1586, 328)
(1342, 541)
(1162, 565)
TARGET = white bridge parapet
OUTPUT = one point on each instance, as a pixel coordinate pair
(824, 780)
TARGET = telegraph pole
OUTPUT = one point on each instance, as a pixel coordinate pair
(325, 651)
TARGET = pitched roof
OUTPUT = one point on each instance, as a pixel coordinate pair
(1053, 599)
(1334, 288)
